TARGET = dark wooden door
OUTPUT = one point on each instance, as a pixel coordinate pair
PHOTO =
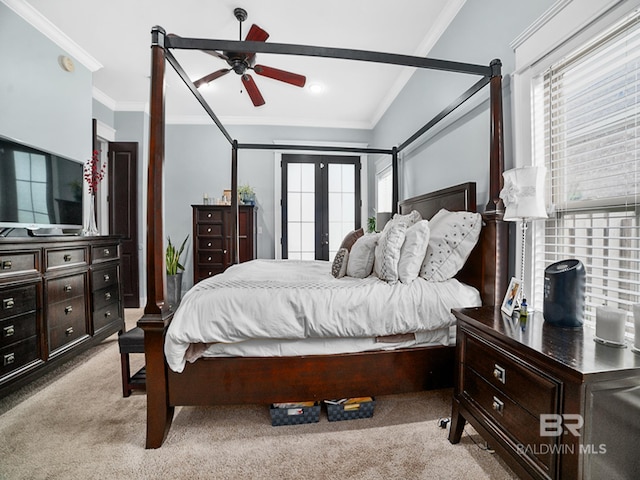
(123, 214)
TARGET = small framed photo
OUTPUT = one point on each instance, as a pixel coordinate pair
(511, 297)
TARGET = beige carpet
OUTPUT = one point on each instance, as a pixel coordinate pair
(74, 424)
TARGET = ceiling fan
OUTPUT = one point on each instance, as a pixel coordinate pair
(241, 62)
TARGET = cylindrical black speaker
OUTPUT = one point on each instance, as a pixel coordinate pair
(564, 286)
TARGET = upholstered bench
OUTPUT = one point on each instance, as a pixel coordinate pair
(131, 341)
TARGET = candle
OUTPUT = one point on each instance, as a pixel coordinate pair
(610, 324)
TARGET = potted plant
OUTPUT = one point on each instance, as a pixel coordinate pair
(246, 194)
(174, 272)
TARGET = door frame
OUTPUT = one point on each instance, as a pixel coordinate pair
(277, 190)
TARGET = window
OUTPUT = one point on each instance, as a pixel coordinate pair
(384, 181)
(586, 130)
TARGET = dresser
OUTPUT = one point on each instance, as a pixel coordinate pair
(212, 231)
(58, 297)
(550, 401)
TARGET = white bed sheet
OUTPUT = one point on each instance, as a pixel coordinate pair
(293, 300)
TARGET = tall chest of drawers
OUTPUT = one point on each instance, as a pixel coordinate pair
(212, 245)
(55, 302)
(551, 401)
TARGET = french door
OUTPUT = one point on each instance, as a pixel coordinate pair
(320, 204)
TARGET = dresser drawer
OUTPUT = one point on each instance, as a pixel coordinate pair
(20, 327)
(65, 288)
(211, 258)
(525, 386)
(106, 296)
(209, 230)
(66, 322)
(209, 271)
(18, 263)
(511, 418)
(210, 244)
(17, 300)
(104, 277)
(209, 216)
(66, 258)
(18, 354)
(104, 253)
(105, 316)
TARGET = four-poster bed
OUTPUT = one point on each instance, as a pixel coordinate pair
(210, 381)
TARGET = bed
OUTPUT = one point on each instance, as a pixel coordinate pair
(257, 379)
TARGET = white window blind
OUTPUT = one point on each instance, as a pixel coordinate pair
(586, 130)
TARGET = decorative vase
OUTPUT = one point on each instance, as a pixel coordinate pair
(91, 228)
(174, 290)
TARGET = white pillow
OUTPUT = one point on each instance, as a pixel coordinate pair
(387, 254)
(339, 265)
(413, 251)
(362, 255)
(453, 236)
(409, 219)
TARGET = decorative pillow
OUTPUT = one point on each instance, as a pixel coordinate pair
(351, 238)
(409, 219)
(362, 255)
(413, 251)
(339, 266)
(387, 254)
(453, 236)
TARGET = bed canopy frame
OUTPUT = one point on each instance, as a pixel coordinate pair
(157, 314)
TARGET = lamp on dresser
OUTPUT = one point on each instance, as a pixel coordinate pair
(523, 197)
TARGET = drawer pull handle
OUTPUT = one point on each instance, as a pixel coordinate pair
(68, 310)
(67, 288)
(8, 331)
(209, 244)
(208, 230)
(106, 277)
(67, 257)
(8, 359)
(107, 314)
(6, 265)
(209, 259)
(8, 303)
(210, 273)
(497, 405)
(106, 252)
(209, 215)
(107, 296)
(500, 373)
(69, 331)
(224, 251)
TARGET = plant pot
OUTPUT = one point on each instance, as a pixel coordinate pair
(174, 290)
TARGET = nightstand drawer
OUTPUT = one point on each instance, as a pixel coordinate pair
(528, 388)
(514, 420)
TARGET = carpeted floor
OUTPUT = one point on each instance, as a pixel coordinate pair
(74, 424)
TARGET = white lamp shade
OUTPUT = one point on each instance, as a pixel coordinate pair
(523, 193)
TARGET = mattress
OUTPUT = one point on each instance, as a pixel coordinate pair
(274, 307)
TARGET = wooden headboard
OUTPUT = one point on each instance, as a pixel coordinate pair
(481, 267)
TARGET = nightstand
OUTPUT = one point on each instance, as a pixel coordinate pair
(550, 401)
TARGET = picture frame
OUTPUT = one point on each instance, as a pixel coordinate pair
(511, 296)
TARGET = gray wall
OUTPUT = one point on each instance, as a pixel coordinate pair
(41, 104)
(459, 150)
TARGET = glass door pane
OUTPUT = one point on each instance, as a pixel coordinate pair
(301, 210)
(342, 208)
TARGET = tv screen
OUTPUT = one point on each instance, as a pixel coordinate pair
(38, 189)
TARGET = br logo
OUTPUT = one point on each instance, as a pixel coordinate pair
(554, 425)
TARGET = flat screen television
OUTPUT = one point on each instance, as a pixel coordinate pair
(38, 189)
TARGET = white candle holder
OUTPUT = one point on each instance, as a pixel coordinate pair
(610, 324)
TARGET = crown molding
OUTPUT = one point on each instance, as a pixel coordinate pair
(265, 121)
(53, 33)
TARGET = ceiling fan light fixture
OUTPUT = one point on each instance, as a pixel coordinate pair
(316, 88)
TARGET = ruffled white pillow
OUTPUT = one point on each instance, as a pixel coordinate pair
(453, 236)
(387, 254)
(409, 219)
(362, 255)
(413, 251)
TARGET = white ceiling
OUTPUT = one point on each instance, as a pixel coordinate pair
(112, 39)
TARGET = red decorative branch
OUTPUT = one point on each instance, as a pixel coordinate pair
(93, 173)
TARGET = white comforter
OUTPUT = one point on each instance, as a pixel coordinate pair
(289, 299)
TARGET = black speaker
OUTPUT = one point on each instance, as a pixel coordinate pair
(564, 287)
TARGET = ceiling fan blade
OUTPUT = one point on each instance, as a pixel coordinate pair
(256, 34)
(283, 76)
(252, 90)
(211, 77)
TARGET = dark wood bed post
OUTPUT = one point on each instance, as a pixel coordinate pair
(496, 229)
(156, 312)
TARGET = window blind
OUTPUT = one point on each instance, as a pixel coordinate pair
(586, 130)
